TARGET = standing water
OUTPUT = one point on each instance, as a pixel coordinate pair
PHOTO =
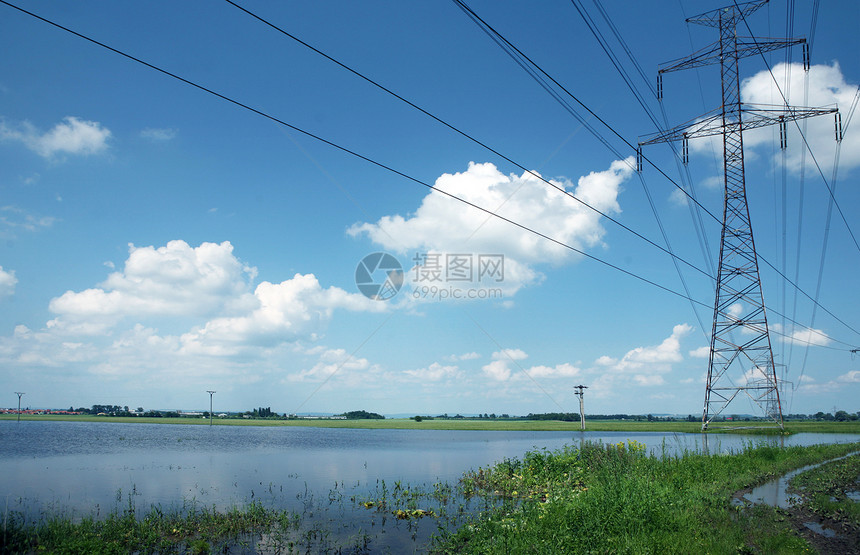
(91, 468)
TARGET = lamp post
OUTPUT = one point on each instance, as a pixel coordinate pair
(210, 392)
(19, 393)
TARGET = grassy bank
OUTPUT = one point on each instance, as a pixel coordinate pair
(453, 424)
(197, 530)
(615, 499)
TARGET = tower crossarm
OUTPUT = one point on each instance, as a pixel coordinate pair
(727, 15)
(754, 116)
(712, 54)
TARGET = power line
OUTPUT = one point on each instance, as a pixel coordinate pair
(523, 63)
(364, 158)
(616, 63)
(514, 52)
(347, 151)
(803, 137)
(477, 141)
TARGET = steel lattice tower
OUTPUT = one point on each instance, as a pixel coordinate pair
(740, 346)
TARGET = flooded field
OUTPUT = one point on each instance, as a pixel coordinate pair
(332, 479)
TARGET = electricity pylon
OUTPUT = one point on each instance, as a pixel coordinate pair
(740, 347)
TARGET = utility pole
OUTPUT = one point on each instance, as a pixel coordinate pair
(19, 393)
(211, 415)
(740, 341)
(580, 393)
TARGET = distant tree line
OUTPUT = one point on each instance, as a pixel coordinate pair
(267, 412)
(117, 410)
(362, 415)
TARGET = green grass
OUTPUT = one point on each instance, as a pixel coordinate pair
(456, 424)
(616, 499)
(194, 530)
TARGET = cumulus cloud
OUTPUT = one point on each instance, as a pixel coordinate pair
(498, 369)
(827, 88)
(217, 323)
(72, 136)
(7, 282)
(646, 366)
(443, 225)
(173, 280)
(505, 367)
(812, 337)
(667, 352)
(283, 311)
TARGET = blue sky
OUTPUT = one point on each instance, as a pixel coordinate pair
(158, 241)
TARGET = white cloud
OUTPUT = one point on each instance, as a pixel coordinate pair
(434, 372)
(648, 380)
(678, 198)
(14, 218)
(331, 362)
(667, 352)
(504, 367)
(283, 311)
(71, 136)
(158, 135)
(465, 356)
(510, 354)
(756, 374)
(173, 280)
(497, 370)
(804, 337)
(443, 225)
(701, 352)
(564, 370)
(850, 377)
(7, 282)
(812, 388)
(827, 88)
(812, 337)
(216, 325)
(643, 365)
(703, 378)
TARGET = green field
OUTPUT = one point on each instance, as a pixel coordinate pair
(456, 424)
